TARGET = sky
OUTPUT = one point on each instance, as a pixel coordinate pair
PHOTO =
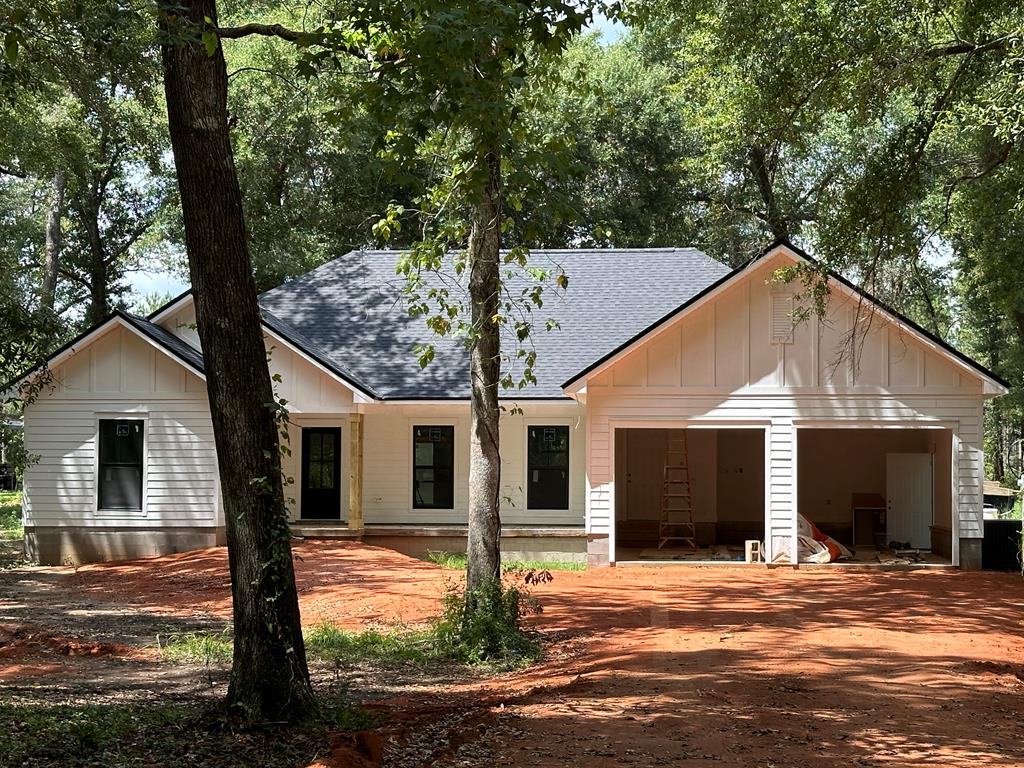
(157, 280)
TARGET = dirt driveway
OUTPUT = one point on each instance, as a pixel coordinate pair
(650, 666)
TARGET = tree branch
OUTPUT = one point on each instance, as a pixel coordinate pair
(961, 49)
(319, 37)
(5, 171)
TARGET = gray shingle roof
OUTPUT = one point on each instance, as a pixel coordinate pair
(350, 312)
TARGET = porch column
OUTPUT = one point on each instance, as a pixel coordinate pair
(781, 502)
(355, 472)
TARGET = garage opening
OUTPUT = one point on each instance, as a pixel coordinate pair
(705, 511)
(886, 494)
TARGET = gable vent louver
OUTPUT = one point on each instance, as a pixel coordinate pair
(782, 318)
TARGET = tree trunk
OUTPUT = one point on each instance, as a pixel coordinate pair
(774, 217)
(269, 676)
(97, 268)
(54, 242)
(484, 531)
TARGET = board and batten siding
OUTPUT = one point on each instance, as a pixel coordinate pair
(120, 375)
(717, 364)
(387, 464)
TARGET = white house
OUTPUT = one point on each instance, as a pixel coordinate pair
(657, 349)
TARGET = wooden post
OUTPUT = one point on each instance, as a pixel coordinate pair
(355, 472)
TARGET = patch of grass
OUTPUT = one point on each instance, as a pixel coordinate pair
(116, 735)
(542, 565)
(353, 718)
(456, 561)
(326, 642)
(10, 516)
(201, 647)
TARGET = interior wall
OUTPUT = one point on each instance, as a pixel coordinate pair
(741, 476)
(727, 476)
(833, 464)
(941, 447)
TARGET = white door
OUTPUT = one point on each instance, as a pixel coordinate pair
(645, 469)
(908, 483)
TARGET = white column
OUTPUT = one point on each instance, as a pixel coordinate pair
(781, 499)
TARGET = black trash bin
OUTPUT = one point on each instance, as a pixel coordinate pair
(1000, 550)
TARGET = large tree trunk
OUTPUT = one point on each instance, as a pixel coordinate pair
(484, 533)
(54, 242)
(98, 267)
(269, 676)
(774, 217)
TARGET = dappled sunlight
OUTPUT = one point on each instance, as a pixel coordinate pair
(742, 666)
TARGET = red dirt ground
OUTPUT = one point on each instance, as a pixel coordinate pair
(27, 651)
(694, 666)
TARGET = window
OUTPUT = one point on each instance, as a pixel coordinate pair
(320, 459)
(433, 464)
(120, 467)
(547, 468)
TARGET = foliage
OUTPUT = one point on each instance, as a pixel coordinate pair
(459, 103)
(326, 642)
(485, 626)
(10, 516)
(353, 718)
(119, 735)
(150, 302)
(204, 647)
(304, 147)
(89, 107)
(627, 150)
(456, 561)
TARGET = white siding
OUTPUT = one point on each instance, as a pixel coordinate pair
(718, 365)
(121, 375)
(306, 387)
(387, 464)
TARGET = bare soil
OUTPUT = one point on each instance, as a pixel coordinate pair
(644, 666)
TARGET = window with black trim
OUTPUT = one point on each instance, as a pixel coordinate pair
(433, 470)
(121, 463)
(547, 467)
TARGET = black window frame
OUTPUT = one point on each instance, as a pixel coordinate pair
(119, 455)
(447, 473)
(535, 502)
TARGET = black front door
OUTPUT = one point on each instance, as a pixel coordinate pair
(321, 473)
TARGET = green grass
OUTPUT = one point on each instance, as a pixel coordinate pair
(324, 642)
(154, 733)
(456, 561)
(439, 643)
(10, 516)
(204, 647)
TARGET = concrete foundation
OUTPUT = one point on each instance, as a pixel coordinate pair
(598, 554)
(970, 554)
(49, 545)
(540, 544)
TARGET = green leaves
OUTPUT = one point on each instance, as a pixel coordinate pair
(12, 40)
(210, 41)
